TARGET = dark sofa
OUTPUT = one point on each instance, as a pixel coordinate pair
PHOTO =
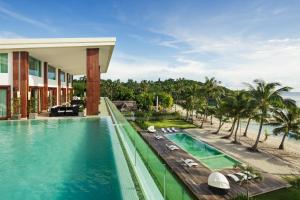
(56, 111)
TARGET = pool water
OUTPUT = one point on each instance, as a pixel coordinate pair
(206, 154)
(57, 159)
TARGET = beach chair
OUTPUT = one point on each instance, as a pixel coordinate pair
(173, 129)
(252, 176)
(189, 162)
(151, 129)
(163, 130)
(233, 178)
(242, 176)
(169, 130)
(172, 147)
(158, 137)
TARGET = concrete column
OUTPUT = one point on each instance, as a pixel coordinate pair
(45, 89)
(93, 81)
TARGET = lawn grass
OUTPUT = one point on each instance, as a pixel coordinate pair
(287, 193)
(283, 194)
(177, 123)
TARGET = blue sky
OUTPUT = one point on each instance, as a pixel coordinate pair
(234, 40)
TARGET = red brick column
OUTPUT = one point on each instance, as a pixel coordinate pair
(20, 71)
(93, 81)
(45, 89)
(59, 88)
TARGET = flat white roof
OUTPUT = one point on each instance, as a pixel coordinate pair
(68, 54)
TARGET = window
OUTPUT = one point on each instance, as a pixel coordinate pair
(62, 77)
(70, 79)
(3, 62)
(35, 68)
(51, 72)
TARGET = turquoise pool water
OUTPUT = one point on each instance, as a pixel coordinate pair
(57, 159)
(206, 154)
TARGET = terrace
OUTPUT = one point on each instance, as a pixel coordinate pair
(196, 178)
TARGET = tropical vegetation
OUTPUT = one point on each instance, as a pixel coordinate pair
(261, 101)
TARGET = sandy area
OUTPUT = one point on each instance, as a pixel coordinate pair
(269, 159)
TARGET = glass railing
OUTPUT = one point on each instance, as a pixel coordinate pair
(170, 186)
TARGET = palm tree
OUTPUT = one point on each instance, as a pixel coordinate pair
(220, 114)
(210, 90)
(287, 121)
(266, 95)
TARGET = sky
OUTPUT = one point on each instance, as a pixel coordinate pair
(235, 41)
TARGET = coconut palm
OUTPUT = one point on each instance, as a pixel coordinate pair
(286, 121)
(266, 95)
(209, 91)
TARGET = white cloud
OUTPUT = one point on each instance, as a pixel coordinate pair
(26, 19)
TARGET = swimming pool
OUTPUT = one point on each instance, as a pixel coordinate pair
(206, 154)
(58, 159)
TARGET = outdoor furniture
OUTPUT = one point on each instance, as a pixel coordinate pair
(172, 147)
(151, 129)
(253, 176)
(233, 178)
(169, 130)
(57, 111)
(163, 130)
(243, 176)
(173, 129)
(218, 183)
(189, 162)
(158, 137)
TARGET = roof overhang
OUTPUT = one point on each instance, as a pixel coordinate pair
(68, 54)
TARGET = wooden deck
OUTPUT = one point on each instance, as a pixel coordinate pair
(195, 178)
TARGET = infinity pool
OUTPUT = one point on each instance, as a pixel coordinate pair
(206, 154)
(57, 159)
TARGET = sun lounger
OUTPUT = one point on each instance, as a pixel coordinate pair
(163, 130)
(233, 177)
(253, 176)
(169, 130)
(189, 162)
(172, 147)
(151, 129)
(173, 129)
(242, 176)
(158, 137)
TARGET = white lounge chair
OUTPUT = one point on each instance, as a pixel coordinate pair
(151, 129)
(242, 176)
(252, 176)
(169, 130)
(173, 129)
(158, 137)
(163, 130)
(189, 162)
(172, 147)
(233, 177)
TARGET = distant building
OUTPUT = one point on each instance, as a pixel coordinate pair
(124, 106)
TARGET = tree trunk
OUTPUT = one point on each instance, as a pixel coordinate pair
(201, 126)
(211, 118)
(232, 129)
(232, 126)
(220, 126)
(237, 128)
(246, 130)
(281, 146)
(254, 147)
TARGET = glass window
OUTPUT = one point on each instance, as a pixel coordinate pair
(35, 68)
(3, 62)
(51, 72)
(3, 106)
(62, 77)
